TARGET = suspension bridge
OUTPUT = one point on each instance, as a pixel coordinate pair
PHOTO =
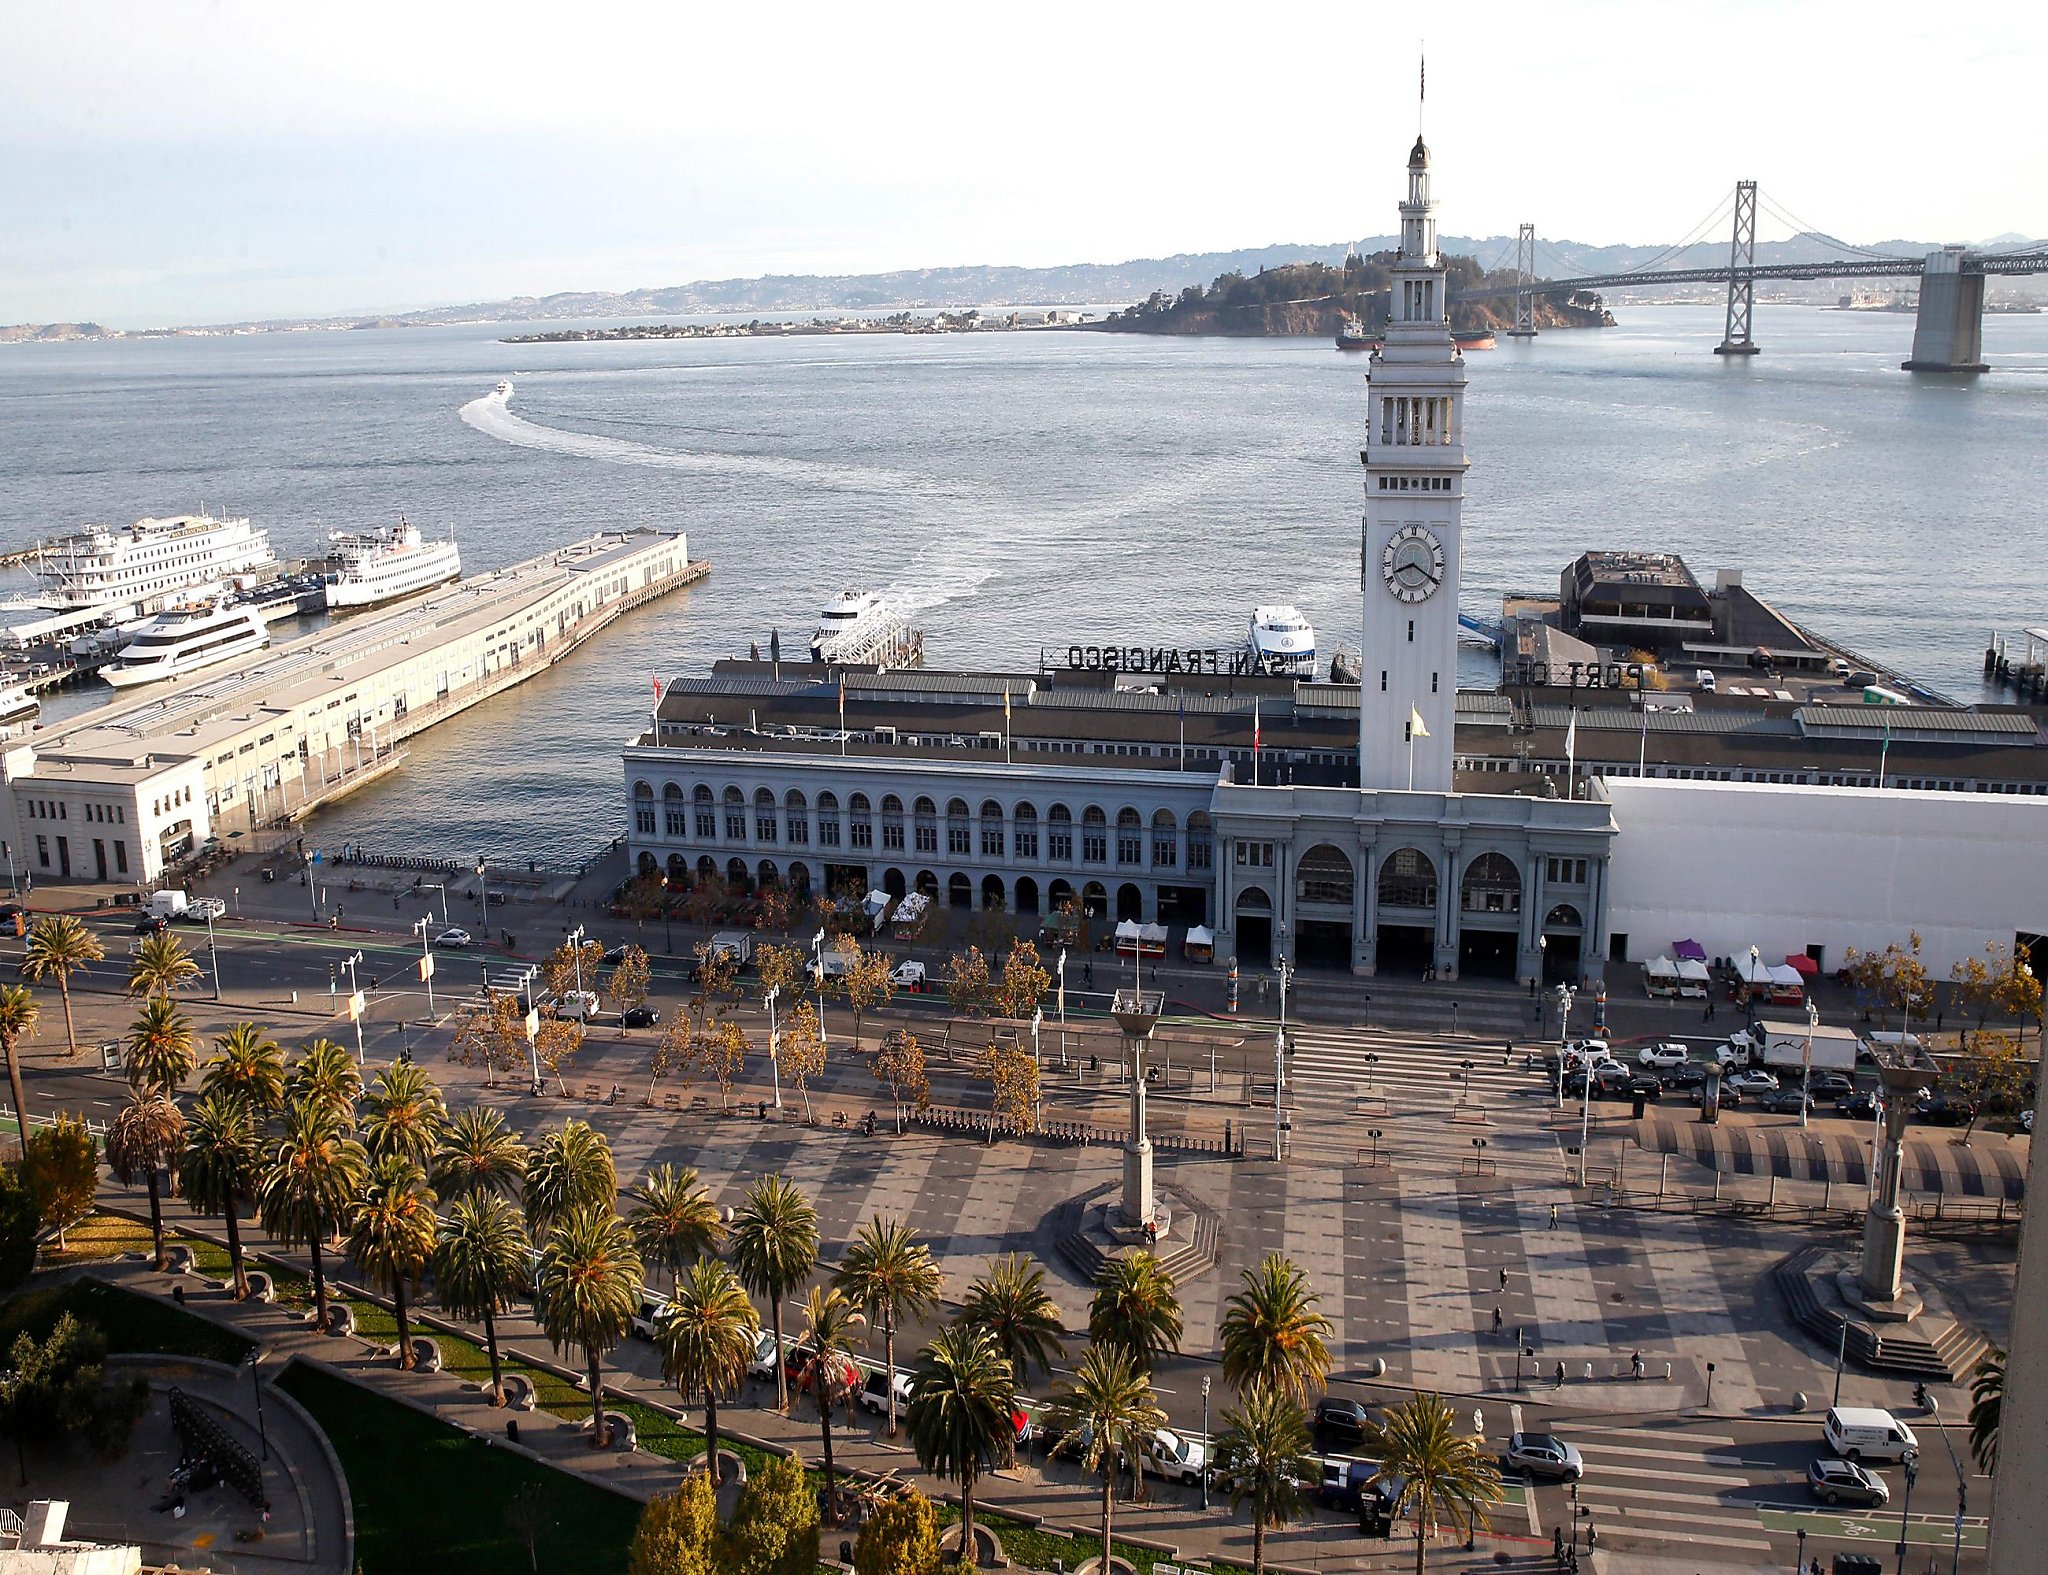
(1948, 334)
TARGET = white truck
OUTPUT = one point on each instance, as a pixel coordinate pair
(169, 903)
(1741, 1050)
(1834, 1049)
(736, 944)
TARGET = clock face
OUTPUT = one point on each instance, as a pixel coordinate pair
(1412, 564)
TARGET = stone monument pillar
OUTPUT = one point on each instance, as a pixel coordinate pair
(1884, 1226)
(1137, 1014)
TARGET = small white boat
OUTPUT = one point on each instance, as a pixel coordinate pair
(862, 629)
(17, 705)
(187, 639)
(1282, 641)
(381, 566)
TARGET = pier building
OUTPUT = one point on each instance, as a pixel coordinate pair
(119, 793)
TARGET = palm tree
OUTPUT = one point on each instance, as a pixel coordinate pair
(479, 1155)
(675, 1222)
(1433, 1469)
(250, 1063)
(161, 1050)
(325, 1071)
(1264, 1452)
(566, 1170)
(589, 1286)
(1135, 1308)
(58, 947)
(143, 1140)
(774, 1248)
(890, 1273)
(1109, 1405)
(315, 1172)
(962, 1396)
(217, 1171)
(1987, 1401)
(18, 1014)
(707, 1339)
(830, 1318)
(391, 1231)
(1011, 1306)
(405, 1114)
(1273, 1337)
(480, 1263)
(160, 966)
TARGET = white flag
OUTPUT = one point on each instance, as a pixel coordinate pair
(1571, 737)
(1415, 727)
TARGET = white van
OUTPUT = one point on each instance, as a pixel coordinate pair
(1858, 1432)
(169, 903)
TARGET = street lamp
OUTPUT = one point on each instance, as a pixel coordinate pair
(1371, 1059)
(1565, 993)
(1280, 1049)
(426, 959)
(1806, 1063)
(1061, 969)
(442, 888)
(1912, 1464)
(355, 1000)
(212, 955)
(1375, 1134)
(575, 942)
(1205, 1440)
(483, 895)
(256, 1382)
(774, 1056)
(818, 970)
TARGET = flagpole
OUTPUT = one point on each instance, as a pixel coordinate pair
(1411, 759)
(1571, 756)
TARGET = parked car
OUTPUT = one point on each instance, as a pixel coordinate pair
(452, 940)
(874, 1391)
(648, 1315)
(1945, 1110)
(763, 1364)
(1829, 1086)
(1177, 1459)
(640, 1016)
(1543, 1455)
(1844, 1481)
(1340, 1419)
(1858, 1106)
(1753, 1081)
(1669, 1053)
(1782, 1101)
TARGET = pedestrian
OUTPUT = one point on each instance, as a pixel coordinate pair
(1503, 1279)
(1496, 1318)
(1557, 1543)
(1088, 975)
(1553, 1216)
(1635, 1363)
(1707, 1016)
(1478, 1423)
(1560, 1376)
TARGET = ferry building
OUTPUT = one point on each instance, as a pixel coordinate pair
(1336, 824)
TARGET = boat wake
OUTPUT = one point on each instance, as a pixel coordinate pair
(492, 415)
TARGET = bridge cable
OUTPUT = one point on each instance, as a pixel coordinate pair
(1693, 236)
(1806, 227)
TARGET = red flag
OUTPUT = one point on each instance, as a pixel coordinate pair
(657, 689)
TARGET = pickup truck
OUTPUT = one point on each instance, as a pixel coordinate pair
(1177, 1459)
(874, 1391)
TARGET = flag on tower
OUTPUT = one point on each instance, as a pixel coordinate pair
(1415, 727)
(657, 689)
(1255, 740)
(1571, 754)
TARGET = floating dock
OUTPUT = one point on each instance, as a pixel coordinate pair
(2023, 666)
(120, 793)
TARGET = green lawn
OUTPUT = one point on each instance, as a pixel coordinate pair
(130, 1322)
(429, 1498)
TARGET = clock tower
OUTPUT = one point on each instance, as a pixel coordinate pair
(1414, 493)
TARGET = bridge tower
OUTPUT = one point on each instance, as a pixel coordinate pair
(1525, 284)
(1735, 339)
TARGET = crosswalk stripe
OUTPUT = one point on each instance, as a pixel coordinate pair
(1658, 1433)
(1650, 1496)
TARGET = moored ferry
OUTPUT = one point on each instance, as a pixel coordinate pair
(186, 639)
(145, 564)
(1282, 641)
(380, 566)
(864, 629)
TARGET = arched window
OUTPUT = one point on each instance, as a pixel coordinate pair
(1059, 835)
(860, 824)
(673, 818)
(925, 825)
(1130, 837)
(1408, 880)
(643, 809)
(1324, 875)
(1130, 903)
(678, 869)
(736, 875)
(892, 825)
(1094, 836)
(1027, 894)
(1095, 900)
(796, 818)
(928, 884)
(1058, 895)
(704, 812)
(991, 832)
(960, 892)
(828, 820)
(647, 864)
(769, 874)
(1492, 884)
(764, 815)
(992, 893)
(800, 880)
(1024, 826)
(735, 815)
(1165, 839)
(1563, 917)
(959, 834)
(1201, 841)
(707, 868)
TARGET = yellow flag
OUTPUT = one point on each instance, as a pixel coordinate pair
(1415, 727)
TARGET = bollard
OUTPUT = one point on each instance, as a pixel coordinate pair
(1667, 1370)
(1589, 1372)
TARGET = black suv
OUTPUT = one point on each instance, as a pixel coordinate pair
(1339, 1419)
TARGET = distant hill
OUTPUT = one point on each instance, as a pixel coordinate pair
(992, 285)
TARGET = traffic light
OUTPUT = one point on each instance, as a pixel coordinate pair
(1920, 1396)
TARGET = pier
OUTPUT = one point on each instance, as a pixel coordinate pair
(123, 792)
(2027, 673)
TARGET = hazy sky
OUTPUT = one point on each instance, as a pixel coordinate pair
(164, 161)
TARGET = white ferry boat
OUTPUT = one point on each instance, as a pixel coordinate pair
(17, 705)
(186, 639)
(380, 566)
(145, 564)
(1282, 641)
(864, 629)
